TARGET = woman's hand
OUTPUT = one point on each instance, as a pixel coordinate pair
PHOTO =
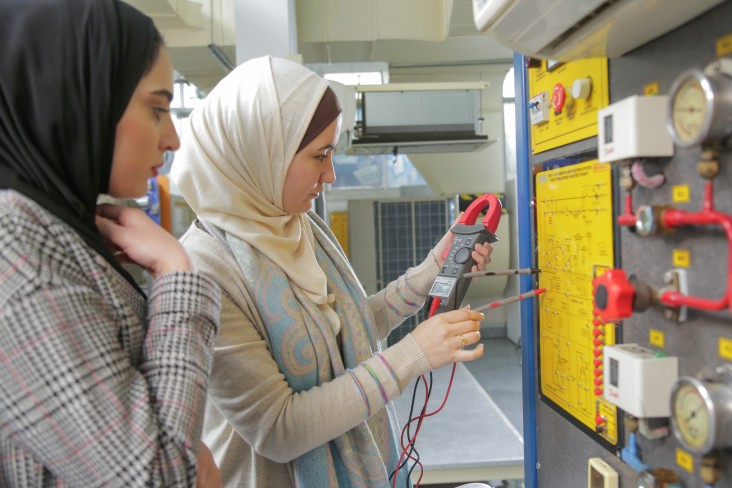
(481, 253)
(443, 336)
(133, 237)
(209, 475)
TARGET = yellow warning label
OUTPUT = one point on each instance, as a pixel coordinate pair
(651, 89)
(725, 348)
(681, 193)
(685, 460)
(656, 338)
(724, 46)
(682, 258)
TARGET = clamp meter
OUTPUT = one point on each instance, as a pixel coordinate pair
(449, 288)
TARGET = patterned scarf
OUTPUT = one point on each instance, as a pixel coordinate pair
(309, 353)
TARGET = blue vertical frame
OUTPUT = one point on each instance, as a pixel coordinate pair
(523, 196)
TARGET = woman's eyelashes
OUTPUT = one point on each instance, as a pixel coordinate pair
(326, 154)
(159, 111)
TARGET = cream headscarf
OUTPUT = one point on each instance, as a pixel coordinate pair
(237, 148)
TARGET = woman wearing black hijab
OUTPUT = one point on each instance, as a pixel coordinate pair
(99, 384)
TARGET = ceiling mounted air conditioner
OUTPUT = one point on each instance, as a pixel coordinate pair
(418, 119)
(564, 30)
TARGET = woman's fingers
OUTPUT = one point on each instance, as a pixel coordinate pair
(444, 336)
(464, 333)
(107, 228)
(466, 339)
(109, 211)
(482, 256)
(464, 355)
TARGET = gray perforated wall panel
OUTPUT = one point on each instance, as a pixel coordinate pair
(562, 449)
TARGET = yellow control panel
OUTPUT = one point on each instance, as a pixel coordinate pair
(574, 219)
(339, 226)
(564, 100)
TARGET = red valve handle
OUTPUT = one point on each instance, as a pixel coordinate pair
(614, 296)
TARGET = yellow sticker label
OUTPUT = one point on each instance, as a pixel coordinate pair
(651, 89)
(682, 258)
(656, 338)
(725, 348)
(681, 193)
(684, 460)
(724, 45)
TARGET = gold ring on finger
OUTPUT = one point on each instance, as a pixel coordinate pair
(462, 341)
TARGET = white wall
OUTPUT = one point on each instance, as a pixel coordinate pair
(265, 28)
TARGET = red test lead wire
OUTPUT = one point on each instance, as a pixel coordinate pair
(508, 300)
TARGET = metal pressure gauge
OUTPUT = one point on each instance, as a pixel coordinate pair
(701, 410)
(700, 106)
(646, 222)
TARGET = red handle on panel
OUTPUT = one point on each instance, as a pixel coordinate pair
(614, 296)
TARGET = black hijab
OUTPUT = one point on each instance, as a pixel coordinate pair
(68, 69)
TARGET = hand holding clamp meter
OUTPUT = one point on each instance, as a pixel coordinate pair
(449, 287)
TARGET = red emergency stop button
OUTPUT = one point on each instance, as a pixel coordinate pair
(613, 296)
(559, 97)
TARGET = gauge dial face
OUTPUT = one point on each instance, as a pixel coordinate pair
(689, 111)
(645, 222)
(691, 416)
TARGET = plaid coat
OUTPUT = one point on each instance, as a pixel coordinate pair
(98, 387)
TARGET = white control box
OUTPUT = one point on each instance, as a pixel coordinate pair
(539, 108)
(634, 127)
(638, 380)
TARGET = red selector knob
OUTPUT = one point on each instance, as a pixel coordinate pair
(613, 296)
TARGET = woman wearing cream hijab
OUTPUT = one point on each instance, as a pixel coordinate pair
(299, 384)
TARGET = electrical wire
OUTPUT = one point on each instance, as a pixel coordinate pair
(410, 445)
(420, 419)
(413, 454)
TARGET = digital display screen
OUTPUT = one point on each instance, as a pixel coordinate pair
(608, 121)
(613, 372)
(441, 289)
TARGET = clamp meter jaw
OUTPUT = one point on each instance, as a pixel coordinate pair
(449, 288)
